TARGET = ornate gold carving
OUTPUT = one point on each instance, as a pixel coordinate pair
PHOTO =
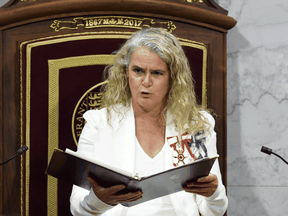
(111, 21)
(89, 101)
(195, 1)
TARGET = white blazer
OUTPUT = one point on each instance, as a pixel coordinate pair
(116, 146)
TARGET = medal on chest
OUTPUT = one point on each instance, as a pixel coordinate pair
(189, 149)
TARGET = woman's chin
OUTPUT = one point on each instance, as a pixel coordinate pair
(148, 105)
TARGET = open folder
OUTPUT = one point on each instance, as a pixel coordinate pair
(74, 168)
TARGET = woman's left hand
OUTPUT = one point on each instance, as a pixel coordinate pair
(205, 186)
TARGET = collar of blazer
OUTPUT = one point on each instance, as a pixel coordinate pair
(124, 141)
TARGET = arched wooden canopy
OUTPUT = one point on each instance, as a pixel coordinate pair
(205, 12)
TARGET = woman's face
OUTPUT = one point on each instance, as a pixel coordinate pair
(148, 79)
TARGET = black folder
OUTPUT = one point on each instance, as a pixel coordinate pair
(72, 169)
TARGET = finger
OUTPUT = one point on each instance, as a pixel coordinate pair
(200, 191)
(196, 189)
(114, 189)
(110, 190)
(209, 178)
(129, 199)
(133, 199)
(129, 195)
(206, 194)
(198, 184)
(93, 183)
(115, 202)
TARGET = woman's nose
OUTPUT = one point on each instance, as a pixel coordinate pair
(147, 80)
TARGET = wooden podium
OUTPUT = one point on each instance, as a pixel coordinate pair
(53, 53)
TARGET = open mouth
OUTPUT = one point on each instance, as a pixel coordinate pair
(145, 93)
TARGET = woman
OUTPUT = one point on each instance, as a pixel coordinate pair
(150, 118)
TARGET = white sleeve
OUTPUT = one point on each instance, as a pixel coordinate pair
(216, 204)
(86, 203)
(82, 201)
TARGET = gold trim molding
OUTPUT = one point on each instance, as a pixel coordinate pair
(54, 70)
(195, 1)
(111, 21)
(203, 47)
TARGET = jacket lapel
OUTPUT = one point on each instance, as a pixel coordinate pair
(170, 132)
(123, 143)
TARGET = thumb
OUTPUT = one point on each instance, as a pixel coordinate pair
(93, 182)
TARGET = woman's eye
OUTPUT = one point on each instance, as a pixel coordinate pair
(137, 70)
(157, 73)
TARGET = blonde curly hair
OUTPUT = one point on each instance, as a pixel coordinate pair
(181, 101)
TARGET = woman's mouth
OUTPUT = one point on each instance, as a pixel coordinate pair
(145, 93)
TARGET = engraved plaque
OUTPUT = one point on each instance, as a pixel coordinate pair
(91, 100)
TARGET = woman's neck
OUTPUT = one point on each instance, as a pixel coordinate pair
(154, 115)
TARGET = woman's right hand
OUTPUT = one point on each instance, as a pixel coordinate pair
(109, 196)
